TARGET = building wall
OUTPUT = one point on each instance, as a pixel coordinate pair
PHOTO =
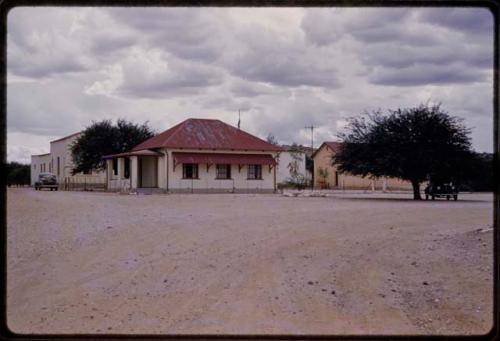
(285, 158)
(61, 149)
(335, 179)
(39, 164)
(207, 179)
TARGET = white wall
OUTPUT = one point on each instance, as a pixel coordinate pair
(36, 166)
(62, 150)
(284, 172)
(207, 180)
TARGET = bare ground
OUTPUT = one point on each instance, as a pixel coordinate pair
(81, 262)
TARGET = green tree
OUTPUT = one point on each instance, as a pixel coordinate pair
(17, 174)
(104, 138)
(480, 173)
(272, 139)
(296, 178)
(413, 144)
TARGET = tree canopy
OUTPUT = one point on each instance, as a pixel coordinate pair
(413, 144)
(272, 139)
(104, 138)
(17, 173)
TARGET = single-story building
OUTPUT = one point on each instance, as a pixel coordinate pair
(59, 162)
(326, 175)
(196, 155)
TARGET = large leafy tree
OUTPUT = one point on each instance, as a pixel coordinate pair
(413, 144)
(17, 173)
(104, 138)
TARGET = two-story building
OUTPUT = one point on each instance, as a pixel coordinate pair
(60, 163)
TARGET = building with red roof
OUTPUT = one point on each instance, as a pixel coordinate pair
(197, 155)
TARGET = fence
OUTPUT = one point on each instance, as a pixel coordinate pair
(83, 184)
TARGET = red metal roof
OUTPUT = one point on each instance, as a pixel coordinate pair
(334, 146)
(219, 158)
(206, 134)
(65, 137)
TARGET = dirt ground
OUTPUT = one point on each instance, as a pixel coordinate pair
(83, 262)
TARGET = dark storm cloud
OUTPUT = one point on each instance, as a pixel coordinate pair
(412, 47)
(109, 43)
(418, 74)
(185, 32)
(401, 56)
(267, 57)
(325, 26)
(475, 20)
(250, 52)
(39, 70)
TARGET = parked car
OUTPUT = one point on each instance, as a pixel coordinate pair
(441, 191)
(46, 180)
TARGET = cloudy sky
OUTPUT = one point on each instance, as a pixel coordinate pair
(284, 68)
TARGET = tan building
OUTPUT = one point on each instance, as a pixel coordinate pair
(60, 163)
(196, 155)
(326, 175)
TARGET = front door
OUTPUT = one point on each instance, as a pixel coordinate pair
(148, 172)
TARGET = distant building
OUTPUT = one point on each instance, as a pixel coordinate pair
(290, 155)
(60, 163)
(326, 175)
(196, 155)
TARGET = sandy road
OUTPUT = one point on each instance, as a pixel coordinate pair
(81, 262)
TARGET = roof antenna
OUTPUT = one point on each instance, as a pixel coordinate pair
(239, 119)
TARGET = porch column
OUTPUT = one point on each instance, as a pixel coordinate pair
(134, 172)
(121, 168)
(109, 170)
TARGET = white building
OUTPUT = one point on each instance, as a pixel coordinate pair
(60, 163)
(197, 155)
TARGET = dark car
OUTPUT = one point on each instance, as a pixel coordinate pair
(46, 180)
(441, 191)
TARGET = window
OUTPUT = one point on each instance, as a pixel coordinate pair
(115, 166)
(223, 172)
(254, 172)
(58, 166)
(189, 171)
(126, 172)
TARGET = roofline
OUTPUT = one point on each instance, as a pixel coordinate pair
(40, 154)
(176, 127)
(217, 149)
(66, 137)
(324, 143)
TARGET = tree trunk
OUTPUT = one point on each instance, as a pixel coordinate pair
(416, 190)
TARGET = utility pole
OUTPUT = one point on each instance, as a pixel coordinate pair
(312, 150)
